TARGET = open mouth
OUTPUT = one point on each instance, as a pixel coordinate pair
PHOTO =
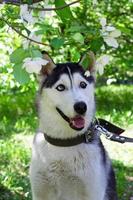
(76, 123)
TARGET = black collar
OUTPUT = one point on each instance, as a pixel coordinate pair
(84, 138)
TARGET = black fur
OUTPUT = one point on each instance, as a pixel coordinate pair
(111, 186)
(103, 153)
(63, 69)
(111, 192)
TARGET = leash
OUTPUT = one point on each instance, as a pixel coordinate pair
(110, 131)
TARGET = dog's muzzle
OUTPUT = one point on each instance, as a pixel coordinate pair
(76, 123)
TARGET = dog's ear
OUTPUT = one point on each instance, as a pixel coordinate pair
(88, 62)
(48, 68)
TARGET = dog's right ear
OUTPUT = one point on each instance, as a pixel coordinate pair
(88, 61)
(48, 68)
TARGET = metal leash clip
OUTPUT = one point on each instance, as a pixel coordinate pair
(109, 135)
(110, 131)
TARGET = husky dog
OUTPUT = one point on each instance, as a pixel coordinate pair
(65, 164)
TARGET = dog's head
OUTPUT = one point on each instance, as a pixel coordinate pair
(66, 98)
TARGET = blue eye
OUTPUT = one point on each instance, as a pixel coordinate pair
(83, 84)
(60, 87)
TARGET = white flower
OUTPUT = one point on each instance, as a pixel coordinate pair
(109, 33)
(34, 65)
(23, 9)
(37, 38)
(25, 43)
(26, 15)
(42, 14)
(101, 62)
(116, 33)
(33, 36)
(103, 47)
(110, 28)
(1, 6)
(103, 22)
(110, 41)
(94, 2)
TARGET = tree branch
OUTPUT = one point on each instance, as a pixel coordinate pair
(16, 3)
(57, 8)
(20, 33)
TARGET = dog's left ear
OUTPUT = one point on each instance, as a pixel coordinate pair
(46, 69)
(88, 62)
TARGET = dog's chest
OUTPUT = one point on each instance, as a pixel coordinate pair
(74, 161)
(75, 169)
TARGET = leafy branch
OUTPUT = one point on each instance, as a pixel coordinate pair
(20, 33)
(41, 9)
(57, 8)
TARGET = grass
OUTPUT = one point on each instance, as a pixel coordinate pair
(114, 103)
(18, 122)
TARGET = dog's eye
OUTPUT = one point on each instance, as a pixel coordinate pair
(83, 84)
(61, 87)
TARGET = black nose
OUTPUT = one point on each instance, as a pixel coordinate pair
(80, 107)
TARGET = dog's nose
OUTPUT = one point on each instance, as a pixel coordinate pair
(80, 107)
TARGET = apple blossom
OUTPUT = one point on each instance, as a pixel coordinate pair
(109, 33)
(95, 2)
(101, 62)
(34, 65)
(33, 36)
(26, 15)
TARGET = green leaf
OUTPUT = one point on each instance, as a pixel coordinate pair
(57, 42)
(64, 14)
(75, 55)
(75, 27)
(29, 2)
(2, 24)
(125, 30)
(43, 28)
(36, 53)
(19, 55)
(86, 62)
(96, 45)
(78, 37)
(20, 74)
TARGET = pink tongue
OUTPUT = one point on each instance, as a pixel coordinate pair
(78, 122)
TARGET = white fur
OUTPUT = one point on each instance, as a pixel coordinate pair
(66, 173)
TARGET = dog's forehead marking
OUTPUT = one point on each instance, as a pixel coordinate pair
(71, 80)
(70, 76)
